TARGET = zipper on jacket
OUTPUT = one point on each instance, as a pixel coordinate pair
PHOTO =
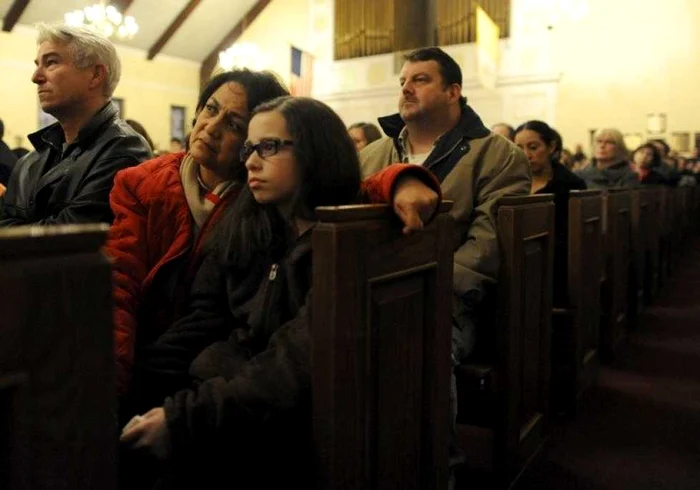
(273, 272)
(267, 298)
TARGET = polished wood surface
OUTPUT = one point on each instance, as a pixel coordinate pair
(514, 386)
(617, 208)
(381, 350)
(575, 326)
(58, 425)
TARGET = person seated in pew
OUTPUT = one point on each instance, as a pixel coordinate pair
(540, 143)
(166, 207)
(666, 168)
(610, 166)
(436, 129)
(247, 417)
(7, 160)
(504, 129)
(165, 210)
(67, 179)
(363, 134)
(646, 159)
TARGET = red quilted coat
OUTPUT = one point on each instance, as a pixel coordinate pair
(154, 253)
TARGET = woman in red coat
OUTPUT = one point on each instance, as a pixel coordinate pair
(165, 209)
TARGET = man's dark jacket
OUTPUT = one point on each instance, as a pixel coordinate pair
(55, 186)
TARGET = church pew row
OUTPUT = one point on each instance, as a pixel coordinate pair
(381, 349)
(507, 392)
(575, 325)
(58, 423)
(617, 226)
(381, 366)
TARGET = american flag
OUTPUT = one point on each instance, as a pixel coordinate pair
(302, 73)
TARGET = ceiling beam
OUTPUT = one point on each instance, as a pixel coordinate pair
(172, 28)
(210, 62)
(122, 5)
(13, 14)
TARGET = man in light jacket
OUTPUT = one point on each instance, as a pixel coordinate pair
(437, 129)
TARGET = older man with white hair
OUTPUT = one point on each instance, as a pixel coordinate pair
(67, 179)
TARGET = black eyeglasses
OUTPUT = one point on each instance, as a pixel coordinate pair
(265, 148)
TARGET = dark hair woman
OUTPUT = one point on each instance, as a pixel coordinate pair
(542, 146)
(249, 409)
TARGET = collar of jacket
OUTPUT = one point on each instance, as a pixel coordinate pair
(622, 164)
(469, 127)
(450, 148)
(53, 135)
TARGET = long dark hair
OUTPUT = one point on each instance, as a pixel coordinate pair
(329, 172)
(547, 134)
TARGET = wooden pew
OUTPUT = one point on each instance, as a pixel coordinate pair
(653, 237)
(664, 236)
(617, 208)
(381, 349)
(639, 236)
(58, 426)
(685, 195)
(509, 394)
(576, 326)
(670, 244)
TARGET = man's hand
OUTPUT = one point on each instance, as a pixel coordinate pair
(414, 203)
(2, 190)
(149, 434)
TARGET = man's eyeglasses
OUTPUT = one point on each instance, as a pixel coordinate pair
(265, 148)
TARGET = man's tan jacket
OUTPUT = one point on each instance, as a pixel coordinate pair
(475, 167)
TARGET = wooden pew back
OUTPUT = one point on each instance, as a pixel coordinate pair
(653, 237)
(640, 201)
(381, 349)
(57, 391)
(617, 207)
(514, 390)
(526, 236)
(576, 328)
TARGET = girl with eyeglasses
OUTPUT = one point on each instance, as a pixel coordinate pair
(167, 208)
(246, 415)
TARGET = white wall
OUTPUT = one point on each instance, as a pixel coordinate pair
(611, 67)
(627, 59)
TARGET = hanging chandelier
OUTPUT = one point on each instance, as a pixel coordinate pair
(104, 19)
(243, 55)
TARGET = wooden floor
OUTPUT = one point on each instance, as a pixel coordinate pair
(639, 428)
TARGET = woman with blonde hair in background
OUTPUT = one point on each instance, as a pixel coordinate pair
(610, 166)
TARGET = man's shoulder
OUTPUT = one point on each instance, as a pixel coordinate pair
(118, 140)
(496, 150)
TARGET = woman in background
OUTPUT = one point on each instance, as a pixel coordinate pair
(541, 146)
(610, 166)
(645, 160)
(363, 134)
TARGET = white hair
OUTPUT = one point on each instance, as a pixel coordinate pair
(88, 48)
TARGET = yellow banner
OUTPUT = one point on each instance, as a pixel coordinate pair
(487, 50)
